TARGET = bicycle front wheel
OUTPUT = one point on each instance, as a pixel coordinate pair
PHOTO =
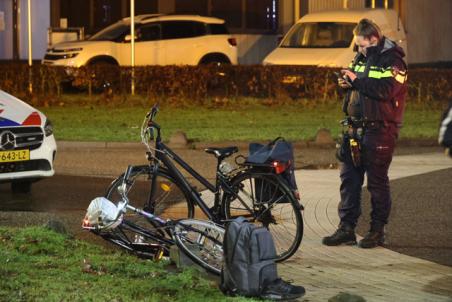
(202, 242)
(138, 234)
(167, 200)
(265, 200)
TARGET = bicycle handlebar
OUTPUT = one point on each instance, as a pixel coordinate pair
(148, 127)
(153, 112)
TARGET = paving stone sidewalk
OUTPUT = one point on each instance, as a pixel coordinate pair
(377, 274)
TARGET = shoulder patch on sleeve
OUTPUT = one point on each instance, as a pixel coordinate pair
(395, 70)
(399, 76)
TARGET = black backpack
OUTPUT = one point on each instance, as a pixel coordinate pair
(248, 262)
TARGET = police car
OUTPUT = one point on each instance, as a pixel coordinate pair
(27, 144)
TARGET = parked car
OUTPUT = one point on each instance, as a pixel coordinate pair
(27, 144)
(326, 38)
(159, 40)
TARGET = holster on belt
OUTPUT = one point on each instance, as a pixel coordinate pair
(355, 150)
(352, 134)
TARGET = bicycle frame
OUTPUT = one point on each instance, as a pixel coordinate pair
(163, 154)
(167, 156)
(161, 241)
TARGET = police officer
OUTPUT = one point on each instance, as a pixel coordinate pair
(374, 104)
(445, 130)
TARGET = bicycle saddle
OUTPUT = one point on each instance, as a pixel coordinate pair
(222, 152)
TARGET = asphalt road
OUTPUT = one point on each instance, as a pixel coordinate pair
(56, 194)
(420, 223)
(63, 198)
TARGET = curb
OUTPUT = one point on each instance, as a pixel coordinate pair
(199, 145)
(98, 145)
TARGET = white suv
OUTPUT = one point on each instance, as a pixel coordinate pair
(27, 144)
(160, 40)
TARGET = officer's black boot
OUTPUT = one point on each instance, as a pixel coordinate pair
(345, 234)
(373, 238)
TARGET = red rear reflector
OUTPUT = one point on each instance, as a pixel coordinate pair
(32, 120)
(279, 167)
(232, 41)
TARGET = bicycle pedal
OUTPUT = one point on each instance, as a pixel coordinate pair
(159, 254)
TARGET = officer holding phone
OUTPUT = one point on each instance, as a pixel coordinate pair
(375, 85)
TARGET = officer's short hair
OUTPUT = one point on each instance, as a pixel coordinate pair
(368, 29)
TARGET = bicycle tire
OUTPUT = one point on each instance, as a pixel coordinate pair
(170, 201)
(202, 242)
(249, 200)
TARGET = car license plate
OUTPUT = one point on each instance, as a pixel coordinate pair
(15, 155)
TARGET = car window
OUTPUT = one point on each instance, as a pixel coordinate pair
(149, 32)
(320, 35)
(182, 29)
(114, 32)
(218, 29)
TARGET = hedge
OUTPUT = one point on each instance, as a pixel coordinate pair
(198, 82)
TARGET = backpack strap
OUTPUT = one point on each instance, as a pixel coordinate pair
(279, 138)
(241, 230)
(227, 289)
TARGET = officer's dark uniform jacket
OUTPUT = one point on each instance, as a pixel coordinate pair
(378, 93)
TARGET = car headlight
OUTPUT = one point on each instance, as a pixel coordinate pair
(72, 49)
(48, 128)
(69, 55)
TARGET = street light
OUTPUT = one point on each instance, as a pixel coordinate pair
(132, 36)
(30, 50)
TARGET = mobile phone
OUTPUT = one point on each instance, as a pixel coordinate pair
(340, 76)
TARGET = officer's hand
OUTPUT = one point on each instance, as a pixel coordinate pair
(343, 83)
(349, 74)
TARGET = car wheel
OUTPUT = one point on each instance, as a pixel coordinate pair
(217, 63)
(105, 76)
(21, 186)
(215, 59)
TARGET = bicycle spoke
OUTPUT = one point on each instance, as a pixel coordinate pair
(202, 242)
(243, 202)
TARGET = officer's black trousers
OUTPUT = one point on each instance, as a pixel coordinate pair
(377, 149)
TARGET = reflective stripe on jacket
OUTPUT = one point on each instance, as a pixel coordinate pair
(379, 91)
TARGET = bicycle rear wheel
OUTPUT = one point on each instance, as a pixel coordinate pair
(265, 200)
(202, 242)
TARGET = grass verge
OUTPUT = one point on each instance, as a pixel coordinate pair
(41, 265)
(242, 119)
